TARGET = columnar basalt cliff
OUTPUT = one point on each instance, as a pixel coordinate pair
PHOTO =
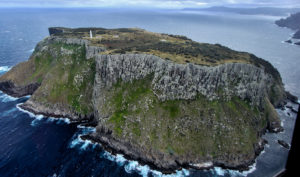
(174, 103)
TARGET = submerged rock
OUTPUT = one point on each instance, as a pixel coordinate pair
(284, 144)
(289, 41)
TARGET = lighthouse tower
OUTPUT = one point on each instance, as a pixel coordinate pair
(91, 34)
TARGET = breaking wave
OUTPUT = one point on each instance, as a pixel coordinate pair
(4, 68)
(6, 98)
(131, 166)
(38, 117)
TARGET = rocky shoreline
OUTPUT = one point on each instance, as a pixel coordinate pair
(130, 153)
(114, 146)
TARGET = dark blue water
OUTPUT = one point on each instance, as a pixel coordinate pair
(38, 146)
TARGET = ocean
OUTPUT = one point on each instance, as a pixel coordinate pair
(34, 145)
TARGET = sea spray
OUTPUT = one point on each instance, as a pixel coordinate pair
(6, 98)
(131, 166)
(40, 117)
(4, 69)
(76, 139)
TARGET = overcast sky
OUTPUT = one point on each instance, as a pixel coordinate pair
(149, 3)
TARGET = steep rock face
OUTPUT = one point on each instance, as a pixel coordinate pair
(91, 51)
(58, 75)
(18, 91)
(177, 81)
(170, 82)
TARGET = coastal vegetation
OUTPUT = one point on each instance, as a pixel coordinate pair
(224, 129)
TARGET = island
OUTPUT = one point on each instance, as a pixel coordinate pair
(161, 99)
(292, 22)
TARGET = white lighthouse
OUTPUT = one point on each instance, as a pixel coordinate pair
(91, 34)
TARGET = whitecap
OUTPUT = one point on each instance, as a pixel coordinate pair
(34, 122)
(4, 68)
(252, 168)
(60, 120)
(86, 130)
(131, 166)
(120, 159)
(94, 145)
(31, 50)
(40, 116)
(36, 116)
(85, 144)
(50, 119)
(6, 98)
(75, 142)
(143, 170)
(219, 171)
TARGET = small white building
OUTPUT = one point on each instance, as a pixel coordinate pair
(91, 34)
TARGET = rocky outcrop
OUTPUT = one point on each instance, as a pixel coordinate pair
(93, 51)
(10, 88)
(283, 144)
(56, 110)
(297, 35)
(76, 41)
(177, 81)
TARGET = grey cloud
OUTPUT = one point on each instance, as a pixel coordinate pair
(146, 3)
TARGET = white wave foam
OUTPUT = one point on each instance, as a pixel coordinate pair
(34, 122)
(37, 116)
(131, 166)
(40, 117)
(252, 168)
(86, 130)
(219, 171)
(76, 139)
(31, 50)
(6, 98)
(75, 142)
(4, 68)
(65, 120)
(85, 144)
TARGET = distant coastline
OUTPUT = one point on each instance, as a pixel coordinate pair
(292, 22)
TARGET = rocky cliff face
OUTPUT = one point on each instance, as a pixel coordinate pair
(177, 81)
(170, 82)
(165, 114)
